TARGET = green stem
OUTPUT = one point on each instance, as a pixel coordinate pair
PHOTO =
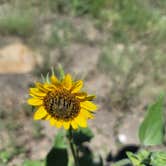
(74, 153)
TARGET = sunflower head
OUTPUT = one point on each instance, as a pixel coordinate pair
(62, 102)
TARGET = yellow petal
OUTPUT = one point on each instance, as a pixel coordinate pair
(36, 92)
(86, 98)
(35, 101)
(40, 113)
(90, 97)
(81, 121)
(74, 124)
(66, 125)
(80, 95)
(54, 79)
(52, 121)
(88, 105)
(77, 86)
(49, 87)
(47, 117)
(86, 114)
(58, 124)
(41, 87)
(67, 82)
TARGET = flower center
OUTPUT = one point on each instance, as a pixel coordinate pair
(62, 105)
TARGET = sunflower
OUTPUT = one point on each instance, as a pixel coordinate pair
(62, 102)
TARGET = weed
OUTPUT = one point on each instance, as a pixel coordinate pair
(18, 22)
(124, 65)
(61, 34)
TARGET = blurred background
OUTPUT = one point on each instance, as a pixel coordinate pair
(117, 47)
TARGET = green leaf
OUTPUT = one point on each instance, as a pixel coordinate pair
(33, 163)
(134, 159)
(4, 156)
(82, 135)
(58, 154)
(60, 140)
(122, 162)
(143, 156)
(139, 159)
(57, 157)
(87, 157)
(151, 131)
(158, 159)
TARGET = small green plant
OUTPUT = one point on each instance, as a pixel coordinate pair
(78, 7)
(151, 133)
(92, 7)
(4, 156)
(146, 158)
(62, 34)
(18, 22)
(123, 64)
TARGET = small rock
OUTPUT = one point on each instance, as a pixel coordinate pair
(122, 138)
(128, 131)
(16, 58)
